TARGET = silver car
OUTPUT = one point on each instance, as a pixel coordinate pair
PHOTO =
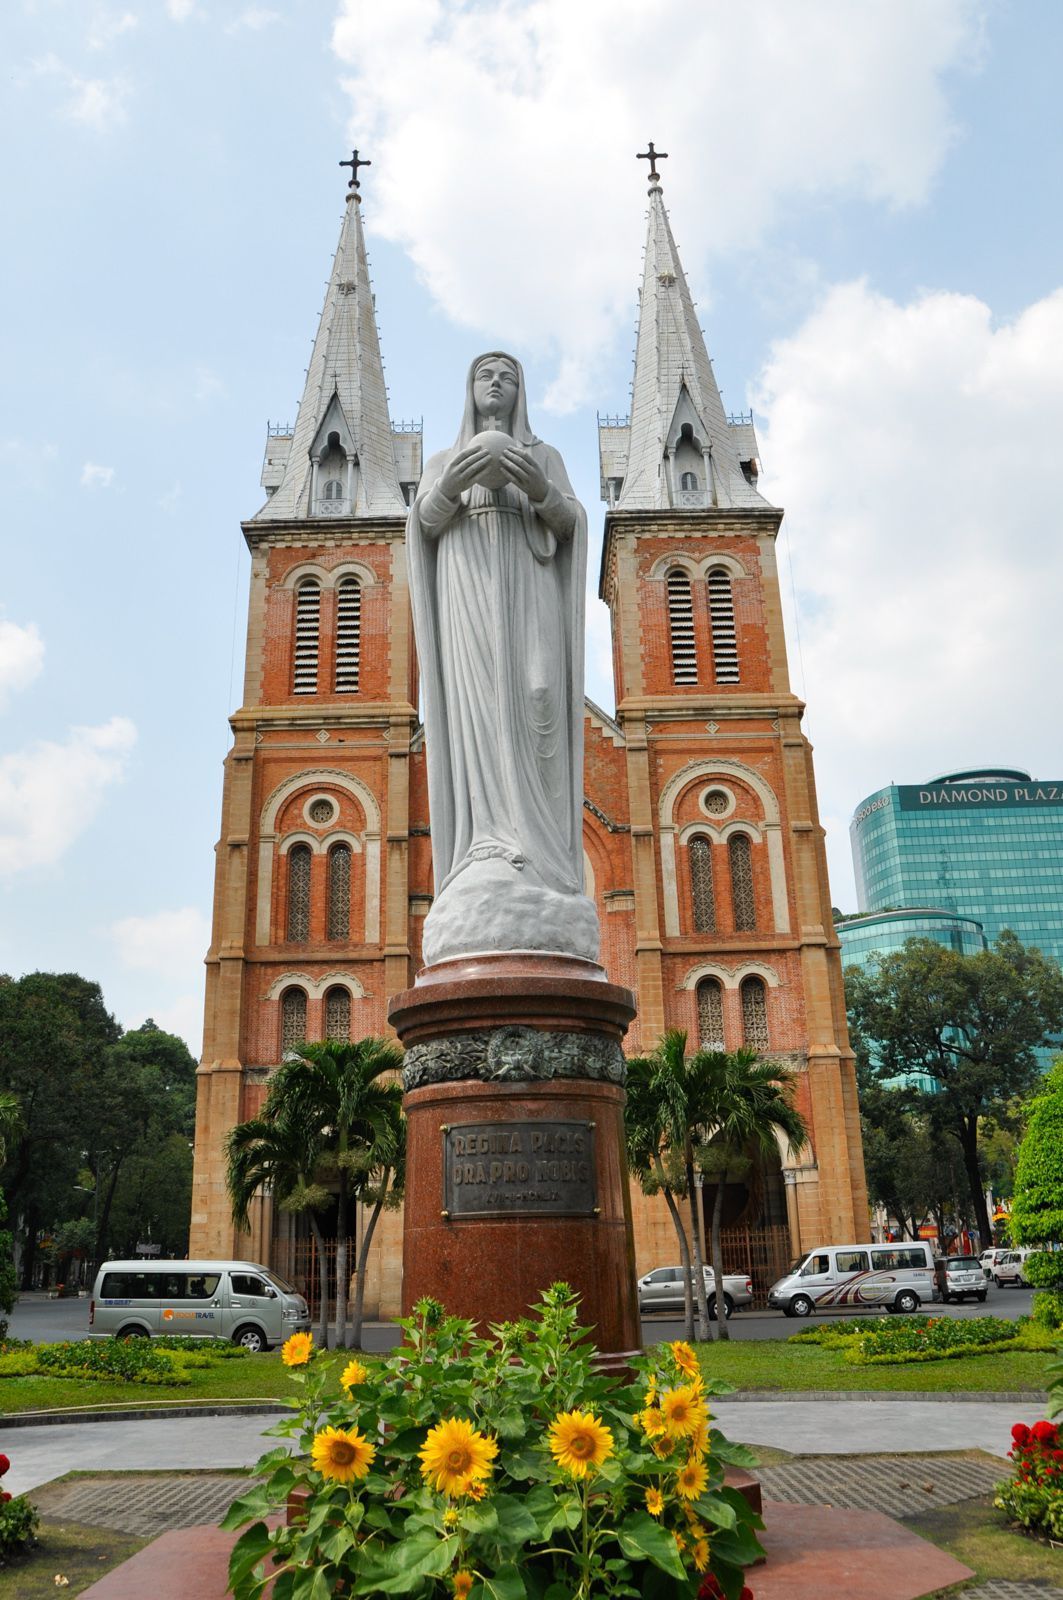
(662, 1290)
(237, 1300)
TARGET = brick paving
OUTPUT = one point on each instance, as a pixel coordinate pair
(142, 1506)
(1004, 1589)
(902, 1486)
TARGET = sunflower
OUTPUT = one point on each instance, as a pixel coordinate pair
(654, 1502)
(699, 1440)
(353, 1374)
(681, 1411)
(463, 1581)
(476, 1491)
(342, 1454)
(701, 1554)
(691, 1479)
(455, 1455)
(296, 1351)
(579, 1440)
(450, 1517)
(652, 1422)
(685, 1359)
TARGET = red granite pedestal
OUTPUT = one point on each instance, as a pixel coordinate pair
(516, 1168)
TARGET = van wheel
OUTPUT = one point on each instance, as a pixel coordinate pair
(251, 1339)
(125, 1334)
(981, 1296)
(907, 1300)
(801, 1306)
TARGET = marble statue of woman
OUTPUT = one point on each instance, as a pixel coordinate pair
(497, 547)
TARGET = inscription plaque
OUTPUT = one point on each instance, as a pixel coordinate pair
(513, 1169)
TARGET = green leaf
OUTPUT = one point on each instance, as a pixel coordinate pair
(643, 1539)
(401, 1568)
(251, 1548)
(256, 1503)
(314, 1583)
(516, 1524)
(511, 1424)
(479, 1519)
(738, 1545)
(713, 1508)
(505, 1584)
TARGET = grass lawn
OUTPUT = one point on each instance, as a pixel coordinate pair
(976, 1534)
(261, 1377)
(775, 1364)
(65, 1549)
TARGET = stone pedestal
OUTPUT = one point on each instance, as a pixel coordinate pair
(516, 1169)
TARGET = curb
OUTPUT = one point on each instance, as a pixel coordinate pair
(43, 1419)
(1012, 1397)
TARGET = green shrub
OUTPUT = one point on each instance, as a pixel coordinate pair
(1037, 1210)
(217, 1349)
(832, 1333)
(18, 1525)
(127, 1360)
(1033, 1497)
(930, 1339)
(18, 1363)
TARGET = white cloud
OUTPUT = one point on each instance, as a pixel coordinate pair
(252, 20)
(51, 792)
(21, 657)
(164, 942)
(917, 449)
(107, 26)
(183, 1016)
(94, 477)
(98, 103)
(503, 138)
(180, 10)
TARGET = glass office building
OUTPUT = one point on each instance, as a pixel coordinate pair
(984, 844)
(882, 932)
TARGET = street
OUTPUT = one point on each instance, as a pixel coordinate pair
(49, 1321)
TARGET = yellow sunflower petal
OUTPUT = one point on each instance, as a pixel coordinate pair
(578, 1441)
(455, 1455)
(342, 1454)
(353, 1374)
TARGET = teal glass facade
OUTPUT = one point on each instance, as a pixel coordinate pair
(985, 844)
(881, 934)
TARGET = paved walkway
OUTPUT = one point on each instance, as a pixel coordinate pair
(813, 1427)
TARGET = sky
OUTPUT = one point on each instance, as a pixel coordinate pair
(866, 197)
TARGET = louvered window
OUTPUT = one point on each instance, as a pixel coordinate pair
(333, 489)
(293, 1019)
(348, 635)
(338, 1014)
(681, 628)
(710, 1014)
(754, 1014)
(299, 892)
(722, 617)
(307, 630)
(742, 896)
(699, 852)
(339, 892)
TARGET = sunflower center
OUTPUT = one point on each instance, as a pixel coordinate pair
(458, 1460)
(343, 1452)
(582, 1445)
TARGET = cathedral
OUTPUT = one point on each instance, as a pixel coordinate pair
(703, 850)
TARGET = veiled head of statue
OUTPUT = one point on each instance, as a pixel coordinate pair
(495, 396)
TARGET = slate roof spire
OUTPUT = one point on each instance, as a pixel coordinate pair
(675, 403)
(344, 401)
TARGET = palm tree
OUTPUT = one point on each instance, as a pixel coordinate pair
(741, 1103)
(10, 1119)
(383, 1190)
(644, 1134)
(271, 1151)
(332, 1090)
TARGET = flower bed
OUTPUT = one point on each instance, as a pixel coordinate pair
(18, 1520)
(144, 1361)
(497, 1468)
(1033, 1497)
(873, 1341)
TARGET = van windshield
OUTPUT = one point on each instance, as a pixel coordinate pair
(281, 1283)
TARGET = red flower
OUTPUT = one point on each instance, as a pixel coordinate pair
(4, 1465)
(4, 1498)
(710, 1590)
(1044, 1432)
(1021, 1434)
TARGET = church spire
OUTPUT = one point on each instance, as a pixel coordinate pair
(679, 447)
(340, 458)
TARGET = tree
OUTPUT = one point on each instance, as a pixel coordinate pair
(644, 1133)
(972, 1022)
(10, 1118)
(383, 1190)
(275, 1152)
(1037, 1209)
(743, 1104)
(333, 1091)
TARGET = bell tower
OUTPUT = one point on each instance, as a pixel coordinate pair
(311, 903)
(734, 939)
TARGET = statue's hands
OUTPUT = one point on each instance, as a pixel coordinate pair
(462, 471)
(521, 468)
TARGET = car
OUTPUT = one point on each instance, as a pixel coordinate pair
(989, 1258)
(852, 1277)
(662, 1290)
(957, 1277)
(1009, 1268)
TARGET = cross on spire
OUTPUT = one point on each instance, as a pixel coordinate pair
(652, 156)
(354, 163)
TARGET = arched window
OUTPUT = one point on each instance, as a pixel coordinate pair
(299, 892)
(307, 629)
(337, 1014)
(688, 480)
(699, 852)
(333, 489)
(338, 922)
(348, 634)
(743, 899)
(722, 617)
(710, 1014)
(293, 1018)
(681, 628)
(754, 1014)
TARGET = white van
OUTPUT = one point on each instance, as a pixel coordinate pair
(855, 1278)
(237, 1300)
